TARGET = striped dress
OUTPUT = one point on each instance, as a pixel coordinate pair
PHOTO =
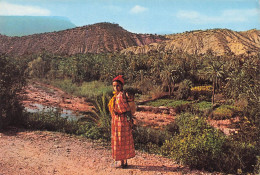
(121, 137)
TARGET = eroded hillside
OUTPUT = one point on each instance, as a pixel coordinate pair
(96, 38)
(220, 41)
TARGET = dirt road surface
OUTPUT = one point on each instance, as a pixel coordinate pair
(49, 153)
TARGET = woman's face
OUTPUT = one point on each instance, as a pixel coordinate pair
(117, 86)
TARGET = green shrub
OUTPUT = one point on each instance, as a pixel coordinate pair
(223, 112)
(184, 90)
(177, 103)
(198, 145)
(52, 121)
(257, 166)
(248, 131)
(172, 129)
(156, 92)
(201, 92)
(203, 105)
(201, 146)
(103, 115)
(237, 157)
(159, 102)
(12, 81)
(149, 139)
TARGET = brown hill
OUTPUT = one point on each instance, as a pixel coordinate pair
(220, 41)
(96, 38)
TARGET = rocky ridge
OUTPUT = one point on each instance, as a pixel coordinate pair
(96, 38)
(219, 41)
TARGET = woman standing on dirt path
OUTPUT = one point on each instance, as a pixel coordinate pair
(122, 141)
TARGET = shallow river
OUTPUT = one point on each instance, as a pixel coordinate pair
(65, 113)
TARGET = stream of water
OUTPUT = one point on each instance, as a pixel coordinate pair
(65, 113)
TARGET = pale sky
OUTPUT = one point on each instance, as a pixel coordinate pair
(145, 16)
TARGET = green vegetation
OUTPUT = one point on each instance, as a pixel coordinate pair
(184, 78)
(203, 105)
(223, 112)
(52, 121)
(201, 146)
(167, 102)
(12, 80)
(90, 90)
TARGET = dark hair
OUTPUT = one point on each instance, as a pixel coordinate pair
(132, 91)
(119, 82)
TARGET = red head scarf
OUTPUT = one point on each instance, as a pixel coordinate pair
(119, 78)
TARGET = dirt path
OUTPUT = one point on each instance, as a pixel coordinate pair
(43, 152)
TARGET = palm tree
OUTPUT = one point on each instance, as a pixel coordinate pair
(213, 71)
(171, 75)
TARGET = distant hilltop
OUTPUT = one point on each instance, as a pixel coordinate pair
(108, 38)
(28, 25)
(96, 38)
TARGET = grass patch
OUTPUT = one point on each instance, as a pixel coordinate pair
(176, 103)
(167, 103)
(223, 112)
(204, 105)
(90, 90)
(93, 89)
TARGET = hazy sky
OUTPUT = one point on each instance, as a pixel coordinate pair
(145, 16)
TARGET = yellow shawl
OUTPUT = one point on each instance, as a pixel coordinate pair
(111, 103)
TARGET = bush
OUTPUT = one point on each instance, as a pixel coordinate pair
(184, 90)
(223, 112)
(12, 80)
(149, 139)
(203, 147)
(52, 121)
(172, 128)
(237, 157)
(198, 145)
(257, 166)
(203, 105)
(201, 92)
(103, 115)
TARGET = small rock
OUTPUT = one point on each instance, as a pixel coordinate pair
(57, 146)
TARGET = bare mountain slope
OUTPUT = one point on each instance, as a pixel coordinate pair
(96, 38)
(220, 41)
